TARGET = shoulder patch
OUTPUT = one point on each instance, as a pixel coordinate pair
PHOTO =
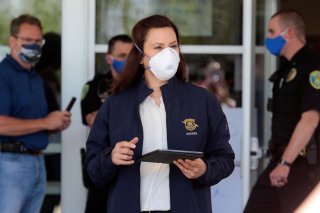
(84, 91)
(314, 79)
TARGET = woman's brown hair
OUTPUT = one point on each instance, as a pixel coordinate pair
(133, 70)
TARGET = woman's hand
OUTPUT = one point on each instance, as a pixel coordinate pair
(122, 153)
(191, 168)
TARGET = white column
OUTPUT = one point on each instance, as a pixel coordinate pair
(75, 68)
(248, 71)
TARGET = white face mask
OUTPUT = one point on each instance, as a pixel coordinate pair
(164, 65)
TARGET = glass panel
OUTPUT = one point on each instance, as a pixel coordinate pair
(260, 25)
(101, 64)
(261, 80)
(220, 74)
(49, 12)
(210, 71)
(215, 22)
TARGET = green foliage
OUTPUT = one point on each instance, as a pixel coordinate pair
(48, 11)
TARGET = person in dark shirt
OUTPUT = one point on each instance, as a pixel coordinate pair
(289, 177)
(48, 66)
(94, 93)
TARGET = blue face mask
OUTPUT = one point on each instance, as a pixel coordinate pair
(276, 44)
(118, 65)
(30, 53)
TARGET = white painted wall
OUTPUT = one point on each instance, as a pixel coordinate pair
(248, 62)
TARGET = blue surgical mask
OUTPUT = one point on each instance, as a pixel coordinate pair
(276, 44)
(30, 53)
(118, 65)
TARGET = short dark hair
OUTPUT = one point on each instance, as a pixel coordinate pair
(133, 70)
(23, 19)
(123, 38)
(291, 18)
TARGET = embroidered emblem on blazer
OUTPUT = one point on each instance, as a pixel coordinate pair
(314, 79)
(190, 124)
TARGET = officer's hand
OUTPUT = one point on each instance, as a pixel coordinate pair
(123, 151)
(91, 117)
(58, 120)
(279, 176)
(191, 168)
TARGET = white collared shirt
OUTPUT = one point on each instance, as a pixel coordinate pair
(154, 188)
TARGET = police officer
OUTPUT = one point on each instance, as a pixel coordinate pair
(288, 178)
(94, 93)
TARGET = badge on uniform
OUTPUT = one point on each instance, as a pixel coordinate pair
(314, 79)
(84, 91)
(291, 75)
(190, 124)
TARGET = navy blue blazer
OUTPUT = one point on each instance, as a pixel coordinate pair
(118, 119)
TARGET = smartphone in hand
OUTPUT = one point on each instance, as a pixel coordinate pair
(70, 105)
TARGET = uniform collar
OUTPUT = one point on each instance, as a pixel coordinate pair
(298, 56)
(106, 75)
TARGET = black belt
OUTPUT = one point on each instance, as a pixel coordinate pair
(155, 211)
(17, 147)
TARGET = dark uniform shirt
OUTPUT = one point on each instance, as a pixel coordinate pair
(94, 93)
(22, 96)
(296, 90)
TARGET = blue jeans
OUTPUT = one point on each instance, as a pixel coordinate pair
(22, 183)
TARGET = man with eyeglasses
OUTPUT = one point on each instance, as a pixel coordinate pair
(24, 120)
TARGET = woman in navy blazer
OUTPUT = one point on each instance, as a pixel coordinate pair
(152, 107)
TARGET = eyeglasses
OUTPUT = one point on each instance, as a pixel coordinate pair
(31, 41)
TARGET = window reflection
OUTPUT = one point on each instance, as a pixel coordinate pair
(219, 74)
(216, 22)
(260, 22)
(49, 13)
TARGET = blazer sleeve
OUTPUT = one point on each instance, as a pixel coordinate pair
(98, 163)
(219, 156)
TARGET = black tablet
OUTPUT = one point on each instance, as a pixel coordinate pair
(169, 155)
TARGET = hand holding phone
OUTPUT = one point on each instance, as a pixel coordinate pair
(70, 105)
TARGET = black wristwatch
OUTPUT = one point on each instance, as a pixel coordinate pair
(285, 163)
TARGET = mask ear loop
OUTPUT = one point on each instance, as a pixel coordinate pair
(284, 32)
(138, 48)
(142, 54)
